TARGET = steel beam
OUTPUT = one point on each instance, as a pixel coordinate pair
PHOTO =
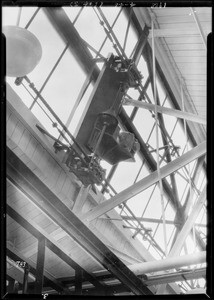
(165, 110)
(166, 264)
(150, 162)
(195, 178)
(173, 33)
(176, 276)
(63, 25)
(145, 182)
(185, 231)
(148, 55)
(188, 225)
(66, 29)
(114, 285)
(153, 220)
(26, 181)
(140, 45)
(25, 279)
(56, 285)
(78, 282)
(38, 233)
(200, 29)
(40, 266)
(80, 199)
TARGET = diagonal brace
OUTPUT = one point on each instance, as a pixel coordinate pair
(145, 182)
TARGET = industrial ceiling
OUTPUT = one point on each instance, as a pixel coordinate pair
(106, 152)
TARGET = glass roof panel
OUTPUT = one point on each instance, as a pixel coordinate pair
(93, 33)
(110, 13)
(72, 12)
(66, 88)
(48, 38)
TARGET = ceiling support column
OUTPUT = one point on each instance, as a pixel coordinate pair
(38, 233)
(11, 285)
(40, 266)
(78, 281)
(25, 279)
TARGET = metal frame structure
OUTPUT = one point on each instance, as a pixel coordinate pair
(117, 277)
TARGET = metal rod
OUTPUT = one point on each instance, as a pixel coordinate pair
(136, 219)
(144, 183)
(55, 115)
(77, 16)
(200, 29)
(50, 74)
(56, 64)
(25, 279)
(127, 29)
(112, 33)
(32, 18)
(157, 139)
(88, 79)
(99, 139)
(38, 104)
(19, 16)
(165, 110)
(80, 96)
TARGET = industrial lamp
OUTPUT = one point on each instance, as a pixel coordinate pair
(23, 51)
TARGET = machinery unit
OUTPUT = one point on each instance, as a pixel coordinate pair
(99, 133)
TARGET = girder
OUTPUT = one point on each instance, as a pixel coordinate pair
(65, 28)
(24, 179)
(146, 182)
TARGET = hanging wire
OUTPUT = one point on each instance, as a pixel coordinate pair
(19, 16)
(157, 140)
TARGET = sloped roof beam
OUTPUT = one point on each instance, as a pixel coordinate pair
(38, 233)
(165, 110)
(25, 180)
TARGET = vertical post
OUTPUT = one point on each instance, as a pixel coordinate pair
(25, 279)
(40, 266)
(157, 139)
(16, 287)
(11, 285)
(78, 281)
